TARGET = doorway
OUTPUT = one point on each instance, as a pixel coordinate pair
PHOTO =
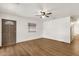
(8, 32)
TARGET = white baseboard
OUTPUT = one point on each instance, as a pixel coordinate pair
(27, 39)
(56, 39)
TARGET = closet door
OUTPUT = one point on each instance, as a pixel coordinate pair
(8, 32)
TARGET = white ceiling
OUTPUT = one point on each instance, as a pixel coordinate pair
(31, 9)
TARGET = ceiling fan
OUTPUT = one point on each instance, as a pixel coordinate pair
(44, 14)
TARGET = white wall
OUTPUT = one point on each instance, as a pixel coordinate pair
(58, 29)
(76, 27)
(22, 33)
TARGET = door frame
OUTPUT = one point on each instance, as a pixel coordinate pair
(2, 29)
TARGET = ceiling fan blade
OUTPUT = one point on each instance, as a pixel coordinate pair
(52, 11)
(46, 16)
(49, 13)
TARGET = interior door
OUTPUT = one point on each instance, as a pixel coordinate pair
(8, 32)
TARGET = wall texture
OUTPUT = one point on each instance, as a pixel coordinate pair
(58, 29)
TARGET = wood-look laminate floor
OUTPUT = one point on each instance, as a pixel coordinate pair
(41, 47)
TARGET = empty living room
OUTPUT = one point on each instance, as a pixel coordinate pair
(39, 29)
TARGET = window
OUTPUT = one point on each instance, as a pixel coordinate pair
(31, 27)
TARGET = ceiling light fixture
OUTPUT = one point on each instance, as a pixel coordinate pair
(44, 13)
